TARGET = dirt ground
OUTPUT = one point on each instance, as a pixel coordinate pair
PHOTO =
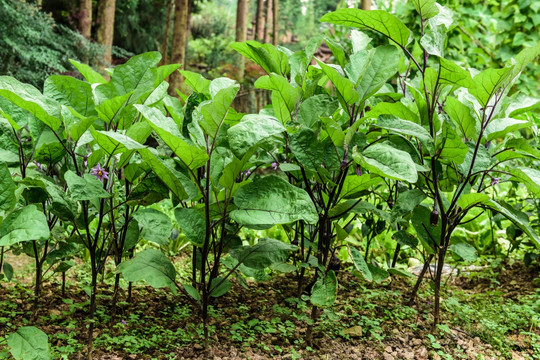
(263, 322)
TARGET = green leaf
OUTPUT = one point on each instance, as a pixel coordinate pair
(403, 238)
(87, 188)
(461, 115)
(29, 343)
(359, 263)
(154, 225)
(344, 87)
(376, 20)
(272, 200)
(114, 143)
(406, 127)
(519, 219)
(75, 123)
(213, 112)
(433, 41)
(191, 155)
(196, 81)
(401, 272)
(219, 287)
(387, 161)
(353, 185)
(406, 202)
(71, 92)
(25, 224)
(282, 91)
(8, 270)
(265, 55)
(498, 128)
(426, 8)
(263, 254)
(467, 201)
(110, 109)
(192, 223)
(93, 77)
(164, 173)
(194, 293)
(453, 74)
(490, 82)
(152, 266)
(398, 109)
(324, 292)
(7, 189)
(149, 191)
(253, 129)
(465, 251)
(528, 176)
(313, 108)
(306, 147)
(136, 77)
(30, 99)
(453, 147)
(382, 66)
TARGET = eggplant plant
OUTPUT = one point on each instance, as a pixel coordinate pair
(459, 125)
(82, 138)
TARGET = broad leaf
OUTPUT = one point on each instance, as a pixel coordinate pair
(272, 200)
(377, 20)
(7, 189)
(382, 66)
(406, 202)
(353, 185)
(387, 161)
(29, 343)
(344, 87)
(461, 115)
(308, 150)
(529, 177)
(88, 73)
(406, 127)
(30, 99)
(71, 92)
(154, 225)
(465, 251)
(253, 129)
(192, 223)
(191, 155)
(284, 93)
(324, 292)
(499, 127)
(87, 188)
(152, 266)
(359, 263)
(263, 254)
(164, 173)
(265, 55)
(25, 224)
(467, 201)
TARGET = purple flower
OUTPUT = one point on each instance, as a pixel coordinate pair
(85, 159)
(274, 165)
(123, 322)
(247, 172)
(100, 173)
(358, 171)
(39, 166)
(495, 181)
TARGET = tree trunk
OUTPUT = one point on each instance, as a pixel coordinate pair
(165, 43)
(366, 4)
(268, 30)
(180, 30)
(241, 32)
(259, 21)
(275, 27)
(85, 20)
(105, 32)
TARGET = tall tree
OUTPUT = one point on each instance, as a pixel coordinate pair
(241, 30)
(269, 22)
(275, 27)
(105, 31)
(85, 19)
(180, 32)
(165, 44)
(366, 4)
(259, 21)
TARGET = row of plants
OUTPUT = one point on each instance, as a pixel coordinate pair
(396, 139)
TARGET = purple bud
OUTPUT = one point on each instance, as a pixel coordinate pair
(495, 181)
(39, 166)
(434, 217)
(123, 322)
(358, 171)
(275, 165)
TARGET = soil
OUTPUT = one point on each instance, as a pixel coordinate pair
(280, 324)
